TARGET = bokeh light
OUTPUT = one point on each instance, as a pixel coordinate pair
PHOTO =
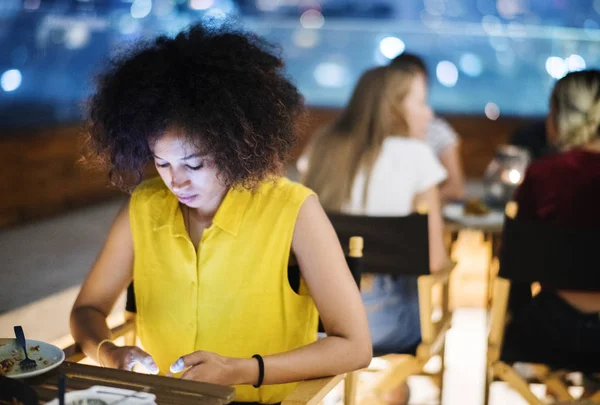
(331, 74)
(447, 73)
(391, 47)
(312, 19)
(492, 111)
(141, 8)
(471, 64)
(556, 67)
(11, 80)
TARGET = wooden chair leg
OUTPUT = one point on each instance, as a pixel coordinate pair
(312, 392)
(350, 383)
(489, 378)
(131, 336)
(442, 369)
(397, 373)
(508, 374)
(595, 398)
(557, 388)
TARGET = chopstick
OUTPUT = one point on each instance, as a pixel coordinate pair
(62, 385)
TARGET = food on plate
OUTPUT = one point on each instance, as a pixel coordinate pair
(476, 207)
(6, 366)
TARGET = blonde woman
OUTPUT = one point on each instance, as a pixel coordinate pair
(372, 161)
(440, 136)
(562, 189)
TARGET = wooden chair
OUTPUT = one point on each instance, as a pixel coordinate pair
(309, 392)
(399, 246)
(536, 252)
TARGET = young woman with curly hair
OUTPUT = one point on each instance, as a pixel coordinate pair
(209, 241)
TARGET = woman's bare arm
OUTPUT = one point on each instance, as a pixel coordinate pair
(108, 278)
(453, 188)
(348, 343)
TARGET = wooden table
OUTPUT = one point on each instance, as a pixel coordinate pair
(168, 391)
(490, 225)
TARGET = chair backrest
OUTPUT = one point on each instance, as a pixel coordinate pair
(16, 391)
(354, 258)
(561, 257)
(395, 245)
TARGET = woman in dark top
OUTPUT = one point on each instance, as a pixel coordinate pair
(563, 327)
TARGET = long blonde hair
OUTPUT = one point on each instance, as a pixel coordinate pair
(575, 109)
(354, 141)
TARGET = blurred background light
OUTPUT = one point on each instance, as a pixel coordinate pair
(391, 47)
(215, 14)
(492, 25)
(141, 8)
(306, 38)
(59, 45)
(514, 176)
(492, 111)
(447, 73)
(128, 25)
(77, 36)
(517, 31)
(10, 80)
(575, 63)
(312, 19)
(509, 8)
(331, 74)
(163, 8)
(267, 5)
(470, 64)
(435, 7)
(556, 67)
(201, 4)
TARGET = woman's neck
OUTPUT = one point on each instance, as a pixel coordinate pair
(208, 210)
(593, 146)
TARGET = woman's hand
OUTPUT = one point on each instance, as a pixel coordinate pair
(214, 368)
(125, 357)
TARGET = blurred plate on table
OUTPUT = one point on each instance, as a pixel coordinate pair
(100, 395)
(455, 212)
(46, 356)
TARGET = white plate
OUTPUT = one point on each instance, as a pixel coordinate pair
(47, 357)
(99, 395)
(456, 213)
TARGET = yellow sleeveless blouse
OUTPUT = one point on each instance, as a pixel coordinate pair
(233, 296)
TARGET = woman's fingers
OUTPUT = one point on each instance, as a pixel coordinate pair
(188, 360)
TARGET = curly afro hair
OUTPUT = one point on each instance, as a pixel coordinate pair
(223, 88)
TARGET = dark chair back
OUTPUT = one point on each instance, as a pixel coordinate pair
(130, 302)
(561, 257)
(17, 391)
(397, 246)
